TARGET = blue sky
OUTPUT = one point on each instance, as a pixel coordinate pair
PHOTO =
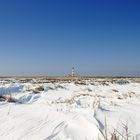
(49, 37)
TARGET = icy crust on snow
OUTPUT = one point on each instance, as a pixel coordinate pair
(70, 110)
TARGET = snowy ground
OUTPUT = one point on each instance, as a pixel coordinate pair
(70, 110)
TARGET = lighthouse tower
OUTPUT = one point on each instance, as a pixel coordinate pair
(72, 72)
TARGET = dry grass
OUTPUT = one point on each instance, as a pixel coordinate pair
(40, 88)
(7, 99)
(114, 90)
(36, 90)
(116, 135)
(72, 100)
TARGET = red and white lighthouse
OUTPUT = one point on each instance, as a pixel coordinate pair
(72, 72)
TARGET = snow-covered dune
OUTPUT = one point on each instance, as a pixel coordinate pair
(70, 110)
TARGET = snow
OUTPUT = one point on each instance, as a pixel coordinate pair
(70, 110)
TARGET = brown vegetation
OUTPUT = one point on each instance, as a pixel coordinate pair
(7, 98)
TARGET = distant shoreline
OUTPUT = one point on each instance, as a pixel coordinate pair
(68, 77)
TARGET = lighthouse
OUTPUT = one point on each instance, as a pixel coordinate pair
(72, 72)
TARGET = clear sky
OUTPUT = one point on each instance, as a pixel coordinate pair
(49, 37)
